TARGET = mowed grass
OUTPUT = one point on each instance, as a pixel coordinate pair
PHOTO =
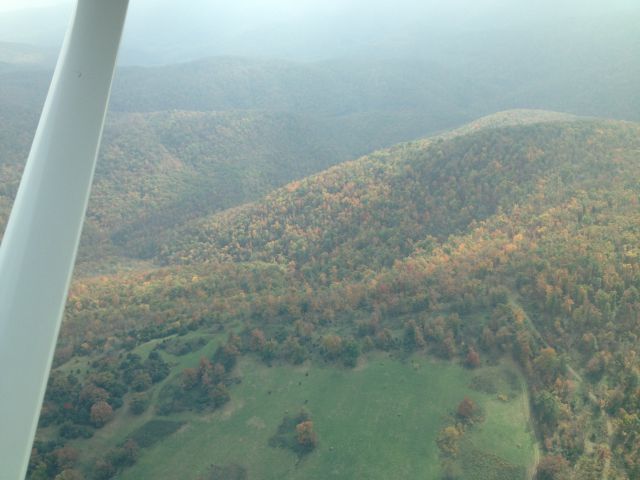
(379, 421)
(492, 450)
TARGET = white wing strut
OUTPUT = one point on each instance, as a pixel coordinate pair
(41, 239)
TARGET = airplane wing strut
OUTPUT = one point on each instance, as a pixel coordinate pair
(42, 235)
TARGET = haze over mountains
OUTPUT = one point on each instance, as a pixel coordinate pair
(161, 31)
(341, 109)
(299, 200)
(200, 130)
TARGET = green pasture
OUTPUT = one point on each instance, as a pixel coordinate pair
(378, 421)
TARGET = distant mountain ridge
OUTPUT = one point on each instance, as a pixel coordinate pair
(257, 124)
(17, 55)
(429, 177)
(335, 110)
(160, 170)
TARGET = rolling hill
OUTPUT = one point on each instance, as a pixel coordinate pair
(510, 243)
(273, 120)
(188, 140)
(270, 286)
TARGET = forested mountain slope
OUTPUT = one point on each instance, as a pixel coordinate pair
(160, 169)
(272, 120)
(495, 241)
(187, 140)
(330, 88)
(393, 198)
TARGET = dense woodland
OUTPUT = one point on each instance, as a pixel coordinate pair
(516, 236)
(494, 241)
(248, 283)
(189, 140)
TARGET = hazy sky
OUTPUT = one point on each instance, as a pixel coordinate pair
(258, 7)
(10, 5)
(161, 31)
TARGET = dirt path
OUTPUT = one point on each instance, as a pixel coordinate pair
(531, 471)
(592, 397)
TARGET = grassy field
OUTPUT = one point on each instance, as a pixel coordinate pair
(379, 421)
(124, 423)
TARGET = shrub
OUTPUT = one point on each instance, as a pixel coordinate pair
(101, 413)
(296, 434)
(553, 467)
(139, 403)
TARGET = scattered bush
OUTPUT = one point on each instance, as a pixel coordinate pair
(296, 434)
(139, 402)
(553, 467)
(101, 413)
